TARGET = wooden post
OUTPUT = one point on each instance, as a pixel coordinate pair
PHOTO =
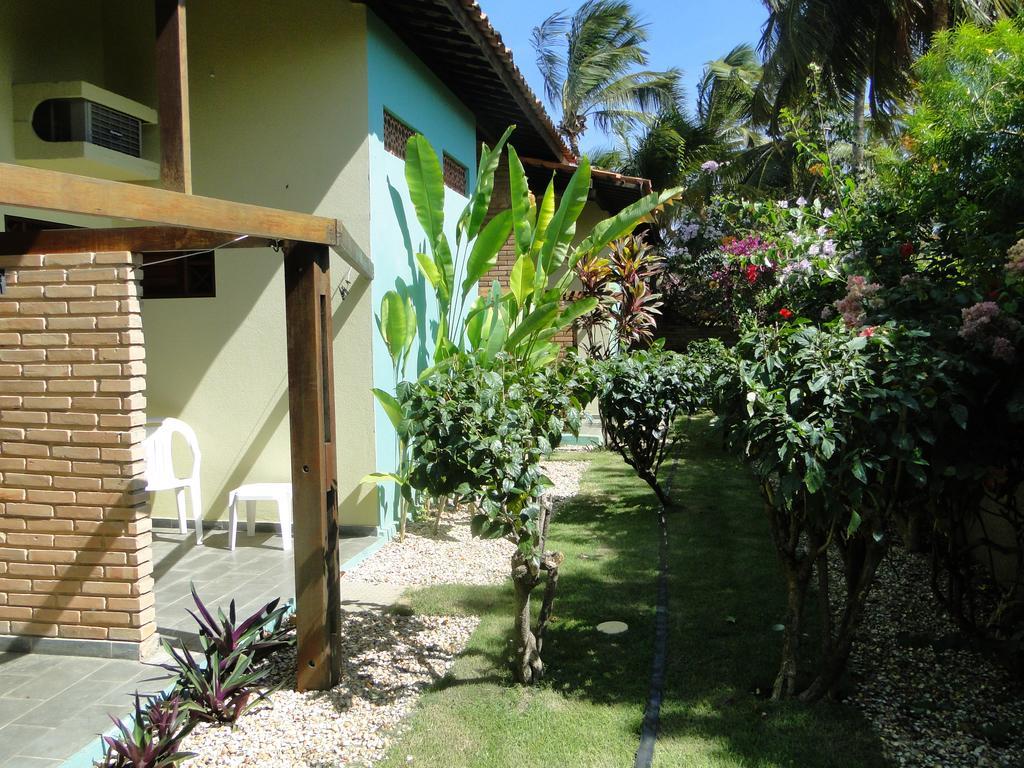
(172, 96)
(314, 469)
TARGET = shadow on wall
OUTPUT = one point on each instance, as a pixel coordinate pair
(272, 417)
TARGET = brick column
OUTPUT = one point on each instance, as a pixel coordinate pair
(75, 559)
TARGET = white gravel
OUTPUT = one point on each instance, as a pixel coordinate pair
(934, 702)
(454, 556)
(388, 660)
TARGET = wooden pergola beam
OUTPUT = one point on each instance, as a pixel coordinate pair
(172, 96)
(69, 193)
(134, 239)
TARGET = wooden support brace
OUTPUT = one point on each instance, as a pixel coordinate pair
(314, 469)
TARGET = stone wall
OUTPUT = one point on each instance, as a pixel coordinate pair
(75, 558)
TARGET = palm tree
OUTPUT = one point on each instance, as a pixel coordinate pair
(670, 149)
(865, 48)
(589, 63)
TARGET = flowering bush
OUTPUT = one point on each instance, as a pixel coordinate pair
(771, 254)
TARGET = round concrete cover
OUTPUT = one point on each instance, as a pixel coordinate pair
(612, 627)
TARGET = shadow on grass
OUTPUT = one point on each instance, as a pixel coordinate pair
(726, 595)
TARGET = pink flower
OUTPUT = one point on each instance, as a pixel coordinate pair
(868, 331)
(1002, 349)
(860, 296)
(976, 319)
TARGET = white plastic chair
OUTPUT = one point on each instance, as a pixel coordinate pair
(160, 474)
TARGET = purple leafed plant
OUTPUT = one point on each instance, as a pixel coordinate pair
(260, 635)
(152, 739)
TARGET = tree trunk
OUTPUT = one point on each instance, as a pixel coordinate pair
(527, 664)
(796, 591)
(660, 492)
(859, 99)
(940, 16)
(863, 556)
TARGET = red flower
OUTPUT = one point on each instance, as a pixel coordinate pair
(786, 313)
(907, 250)
(868, 332)
(994, 293)
(751, 274)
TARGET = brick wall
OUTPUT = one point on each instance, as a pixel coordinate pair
(75, 559)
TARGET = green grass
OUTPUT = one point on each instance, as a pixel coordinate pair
(725, 597)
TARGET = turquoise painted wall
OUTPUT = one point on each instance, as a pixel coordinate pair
(400, 83)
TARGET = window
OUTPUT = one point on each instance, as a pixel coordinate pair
(455, 176)
(170, 275)
(396, 135)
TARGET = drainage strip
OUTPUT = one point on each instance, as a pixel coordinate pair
(652, 713)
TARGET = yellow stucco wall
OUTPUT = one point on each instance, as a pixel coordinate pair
(279, 118)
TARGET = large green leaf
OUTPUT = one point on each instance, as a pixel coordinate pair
(473, 215)
(575, 310)
(521, 278)
(446, 266)
(563, 224)
(536, 321)
(429, 270)
(394, 325)
(519, 189)
(497, 333)
(391, 406)
(484, 254)
(426, 186)
(622, 223)
(475, 320)
(544, 215)
(375, 478)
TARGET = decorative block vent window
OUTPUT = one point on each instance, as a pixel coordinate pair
(178, 275)
(456, 177)
(396, 135)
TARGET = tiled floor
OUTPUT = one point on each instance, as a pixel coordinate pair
(53, 706)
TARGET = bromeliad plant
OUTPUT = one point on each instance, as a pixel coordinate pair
(152, 738)
(231, 674)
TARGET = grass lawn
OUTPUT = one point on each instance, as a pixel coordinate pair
(726, 594)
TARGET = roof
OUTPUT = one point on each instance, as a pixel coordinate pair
(612, 191)
(456, 40)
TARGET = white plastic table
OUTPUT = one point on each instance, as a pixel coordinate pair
(279, 492)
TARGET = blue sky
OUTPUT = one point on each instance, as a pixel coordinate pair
(683, 34)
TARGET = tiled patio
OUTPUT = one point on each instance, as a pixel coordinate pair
(52, 707)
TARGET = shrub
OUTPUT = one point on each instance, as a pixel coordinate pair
(640, 395)
(477, 430)
(837, 425)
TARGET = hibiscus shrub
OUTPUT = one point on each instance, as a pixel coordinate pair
(640, 394)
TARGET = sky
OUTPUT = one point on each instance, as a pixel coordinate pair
(683, 34)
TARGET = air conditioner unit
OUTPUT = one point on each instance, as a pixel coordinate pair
(81, 128)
